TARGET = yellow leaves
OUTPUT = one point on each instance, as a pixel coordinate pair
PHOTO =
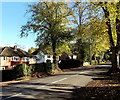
(63, 48)
(97, 31)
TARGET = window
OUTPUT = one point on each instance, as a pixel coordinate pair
(12, 58)
(32, 59)
(3, 68)
(5, 58)
(25, 59)
(15, 59)
(48, 56)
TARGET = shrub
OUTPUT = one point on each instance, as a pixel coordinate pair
(30, 70)
(23, 69)
(7, 75)
(71, 63)
(39, 67)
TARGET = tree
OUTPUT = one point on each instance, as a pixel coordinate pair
(64, 48)
(79, 20)
(96, 33)
(118, 25)
(110, 12)
(112, 15)
(50, 21)
(89, 30)
(31, 50)
(59, 50)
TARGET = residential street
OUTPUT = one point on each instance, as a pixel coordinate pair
(56, 87)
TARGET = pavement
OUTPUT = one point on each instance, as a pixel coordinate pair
(55, 87)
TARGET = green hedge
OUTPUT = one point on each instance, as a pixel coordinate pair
(27, 70)
(8, 75)
(70, 63)
(23, 69)
(40, 67)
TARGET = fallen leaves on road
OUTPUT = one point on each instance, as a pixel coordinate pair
(101, 88)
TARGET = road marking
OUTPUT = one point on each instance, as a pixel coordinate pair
(44, 85)
(60, 80)
(12, 96)
(54, 82)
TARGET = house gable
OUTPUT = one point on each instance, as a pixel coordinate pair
(11, 56)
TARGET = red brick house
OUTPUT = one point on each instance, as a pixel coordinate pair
(11, 56)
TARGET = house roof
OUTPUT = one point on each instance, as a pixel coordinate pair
(9, 51)
(38, 51)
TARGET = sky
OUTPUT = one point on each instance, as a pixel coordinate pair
(13, 17)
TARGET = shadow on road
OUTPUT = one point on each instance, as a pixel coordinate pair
(55, 91)
(103, 87)
(96, 93)
(102, 69)
(40, 94)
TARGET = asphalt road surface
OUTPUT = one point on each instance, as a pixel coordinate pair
(56, 87)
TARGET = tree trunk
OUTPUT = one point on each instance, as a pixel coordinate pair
(54, 52)
(114, 59)
(113, 47)
(80, 51)
(118, 27)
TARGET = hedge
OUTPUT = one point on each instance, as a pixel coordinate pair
(71, 63)
(8, 75)
(25, 70)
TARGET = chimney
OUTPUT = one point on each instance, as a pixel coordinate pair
(15, 48)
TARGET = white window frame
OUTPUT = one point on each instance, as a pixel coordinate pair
(14, 58)
(32, 59)
(48, 56)
(25, 59)
(5, 58)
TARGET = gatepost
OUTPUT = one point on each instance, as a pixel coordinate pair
(118, 59)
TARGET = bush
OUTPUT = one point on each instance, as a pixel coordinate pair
(7, 75)
(71, 63)
(39, 67)
(23, 69)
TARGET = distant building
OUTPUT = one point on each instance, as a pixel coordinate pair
(65, 56)
(43, 57)
(11, 56)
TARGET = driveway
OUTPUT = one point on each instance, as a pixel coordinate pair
(55, 87)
